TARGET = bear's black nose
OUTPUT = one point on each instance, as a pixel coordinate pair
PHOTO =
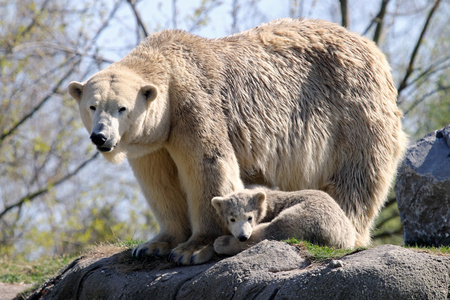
(243, 238)
(98, 139)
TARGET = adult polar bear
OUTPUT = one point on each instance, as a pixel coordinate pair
(298, 104)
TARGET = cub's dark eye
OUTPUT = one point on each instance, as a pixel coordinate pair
(122, 109)
(232, 220)
(92, 108)
(250, 218)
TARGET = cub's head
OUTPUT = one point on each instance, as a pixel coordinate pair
(241, 211)
(122, 113)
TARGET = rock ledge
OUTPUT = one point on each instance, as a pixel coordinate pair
(269, 270)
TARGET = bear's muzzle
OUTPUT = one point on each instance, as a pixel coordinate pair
(100, 140)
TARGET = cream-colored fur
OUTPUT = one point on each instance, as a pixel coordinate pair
(299, 104)
(258, 213)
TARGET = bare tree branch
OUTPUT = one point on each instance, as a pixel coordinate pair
(420, 100)
(14, 127)
(235, 6)
(344, 13)
(50, 185)
(388, 233)
(30, 26)
(296, 8)
(74, 61)
(62, 49)
(390, 201)
(436, 67)
(395, 214)
(174, 14)
(375, 20)
(403, 83)
(202, 13)
(372, 22)
(379, 19)
(138, 18)
(103, 26)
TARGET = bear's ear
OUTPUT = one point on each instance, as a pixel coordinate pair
(259, 198)
(76, 90)
(217, 203)
(149, 92)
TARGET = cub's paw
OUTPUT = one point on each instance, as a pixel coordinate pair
(151, 248)
(192, 252)
(228, 245)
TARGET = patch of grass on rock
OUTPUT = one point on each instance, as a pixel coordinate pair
(320, 254)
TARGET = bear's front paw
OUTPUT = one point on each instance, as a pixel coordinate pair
(194, 251)
(228, 245)
(151, 248)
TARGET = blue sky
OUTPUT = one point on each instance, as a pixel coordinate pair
(158, 15)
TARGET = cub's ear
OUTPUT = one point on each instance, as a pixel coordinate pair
(259, 198)
(217, 203)
(149, 92)
(76, 90)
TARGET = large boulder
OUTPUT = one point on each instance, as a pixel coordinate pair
(269, 270)
(423, 190)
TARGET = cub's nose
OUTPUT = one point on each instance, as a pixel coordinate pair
(98, 139)
(242, 238)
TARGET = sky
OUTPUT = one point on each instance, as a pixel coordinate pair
(160, 17)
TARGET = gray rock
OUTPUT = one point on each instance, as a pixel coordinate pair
(423, 190)
(384, 272)
(269, 270)
(256, 273)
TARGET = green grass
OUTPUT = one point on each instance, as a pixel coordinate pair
(19, 270)
(35, 272)
(442, 250)
(320, 254)
(130, 244)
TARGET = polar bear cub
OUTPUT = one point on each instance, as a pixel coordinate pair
(258, 213)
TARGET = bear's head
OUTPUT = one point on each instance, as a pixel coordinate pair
(241, 211)
(125, 115)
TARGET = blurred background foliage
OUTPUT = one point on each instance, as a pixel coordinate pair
(57, 195)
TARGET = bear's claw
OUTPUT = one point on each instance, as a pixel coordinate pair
(191, 254)
(171, 256)
(180, 259)
(139, 252)
(151, 249)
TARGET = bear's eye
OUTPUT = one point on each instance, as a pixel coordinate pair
(250, 218)
(232, 220)
(92, 108)
(122, 109)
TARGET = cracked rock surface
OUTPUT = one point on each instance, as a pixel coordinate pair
(268, 270)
